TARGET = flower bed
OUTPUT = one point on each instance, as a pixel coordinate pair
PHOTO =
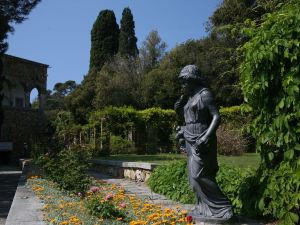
(102, 204)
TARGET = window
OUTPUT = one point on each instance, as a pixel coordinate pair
(19, 102)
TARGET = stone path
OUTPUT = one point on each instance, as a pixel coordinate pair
(8, 184)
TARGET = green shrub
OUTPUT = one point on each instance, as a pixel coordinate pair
(104, 209)
(234, 121)
(231, 181)
(67, 169)
(274, 194)
(119, 145)
(171, 180)
(281, 197)
(150, 128)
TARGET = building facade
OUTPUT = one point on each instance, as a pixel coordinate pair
(23, 125)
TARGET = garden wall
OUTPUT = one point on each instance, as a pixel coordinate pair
(138, 171)
(23, 127)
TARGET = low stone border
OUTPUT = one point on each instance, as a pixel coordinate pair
(138, 171)
(26, 207)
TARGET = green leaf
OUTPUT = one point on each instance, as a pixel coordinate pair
(281, 104)
(261, 204)
(289, 154)
(290, 218)
(294, 217)
(270, 156)
(286, 53)
(297, 147)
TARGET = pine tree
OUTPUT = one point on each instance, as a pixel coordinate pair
(104, 39)
(127, 40)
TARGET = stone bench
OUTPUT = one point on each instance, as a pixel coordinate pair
(138, 171)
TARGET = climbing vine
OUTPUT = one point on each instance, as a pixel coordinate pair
(270, 79)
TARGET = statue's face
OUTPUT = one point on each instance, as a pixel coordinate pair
(188, 86)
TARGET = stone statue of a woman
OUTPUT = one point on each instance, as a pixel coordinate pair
(198, 135)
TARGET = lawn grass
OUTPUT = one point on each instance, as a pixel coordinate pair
(246, 160)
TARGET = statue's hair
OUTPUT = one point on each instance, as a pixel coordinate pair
(192, 72)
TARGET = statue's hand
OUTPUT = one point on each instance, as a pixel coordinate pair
(181, 102)
(200, 143)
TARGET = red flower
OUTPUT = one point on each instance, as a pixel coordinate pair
(189, 219)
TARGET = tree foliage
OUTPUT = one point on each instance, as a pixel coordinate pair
(160, 88)
(127, 39)
(104, 39)
(104, 45)
(271, 83)
(119, 83)
(56, 99)
(225, 25)
(80, 101)
(152, 50)
(13, 12)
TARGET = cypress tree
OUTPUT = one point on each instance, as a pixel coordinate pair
(127, 40)
(104, 39)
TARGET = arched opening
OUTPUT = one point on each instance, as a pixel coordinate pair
(35, 99)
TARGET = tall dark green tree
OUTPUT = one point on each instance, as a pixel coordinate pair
(104, 45)
(11, 12)
(104, 39)
(127, 40)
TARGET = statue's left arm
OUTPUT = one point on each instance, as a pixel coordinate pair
(209, 103)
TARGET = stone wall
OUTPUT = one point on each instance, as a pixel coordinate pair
(23, 126)
(29, 73)
(138, 171)
(21, 77)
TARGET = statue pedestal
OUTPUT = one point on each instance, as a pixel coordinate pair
(201, 220)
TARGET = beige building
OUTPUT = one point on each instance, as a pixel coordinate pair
(23, 126)
(21, 77)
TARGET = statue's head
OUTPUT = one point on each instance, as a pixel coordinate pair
(191, 78)
(190, 72)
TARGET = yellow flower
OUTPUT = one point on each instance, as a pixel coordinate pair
(181, 220)
(183, 212)
(138, 222)
(52, 221)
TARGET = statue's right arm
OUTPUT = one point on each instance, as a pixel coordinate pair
(179, 105)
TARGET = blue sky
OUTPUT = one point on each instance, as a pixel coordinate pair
(57, 32)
